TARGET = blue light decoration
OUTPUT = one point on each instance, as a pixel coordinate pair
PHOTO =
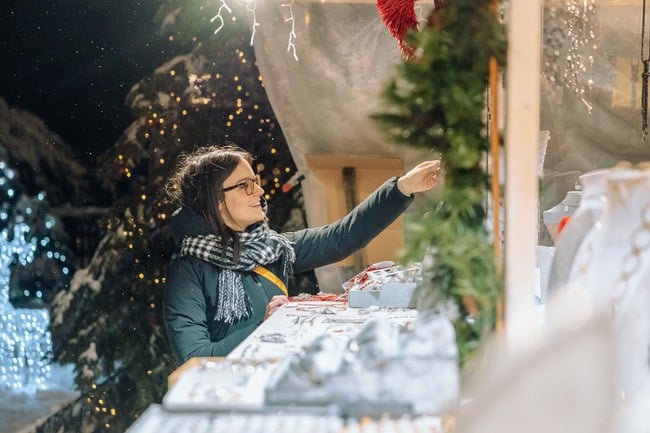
(25, 339)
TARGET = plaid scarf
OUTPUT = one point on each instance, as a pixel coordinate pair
(259, 246)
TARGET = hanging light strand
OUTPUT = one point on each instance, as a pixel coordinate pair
(219, 17)
(251, 8)
(581, 28)
(291, 47)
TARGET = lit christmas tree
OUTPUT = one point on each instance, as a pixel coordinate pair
(109, 322)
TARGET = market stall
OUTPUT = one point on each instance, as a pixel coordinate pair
(303, 361)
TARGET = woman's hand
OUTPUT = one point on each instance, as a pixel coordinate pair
(275, 303)
(422, 177)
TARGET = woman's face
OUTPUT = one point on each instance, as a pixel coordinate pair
(238, 208)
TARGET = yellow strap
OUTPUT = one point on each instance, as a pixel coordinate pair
(263, 272)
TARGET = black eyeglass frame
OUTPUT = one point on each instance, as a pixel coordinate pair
(248, 185)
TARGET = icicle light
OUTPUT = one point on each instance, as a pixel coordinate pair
(291, 47)
(219, 16)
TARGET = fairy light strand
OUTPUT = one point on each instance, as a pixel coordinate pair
(291, 47)
(581, 31)
(251, 8)
(219, 15)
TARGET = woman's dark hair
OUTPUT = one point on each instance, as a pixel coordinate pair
(197, 183)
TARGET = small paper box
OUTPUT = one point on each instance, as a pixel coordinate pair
(390, 295)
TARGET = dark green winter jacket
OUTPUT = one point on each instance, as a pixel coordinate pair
(191, 289)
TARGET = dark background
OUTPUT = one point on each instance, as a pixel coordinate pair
(72, 62)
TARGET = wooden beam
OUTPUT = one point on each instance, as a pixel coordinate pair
(522, 136)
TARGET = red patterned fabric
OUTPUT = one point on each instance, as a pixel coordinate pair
(399, 16)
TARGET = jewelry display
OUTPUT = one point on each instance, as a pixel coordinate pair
(566, 208)
(612, 255)
(576, 233)
(349, 363)
(384, 368)
(296, 324)
(237, 383)
(633, 259)
(383, 284)
(613, 269)
(231, 384)
(382, 273)
(156, 419)
(629, 299)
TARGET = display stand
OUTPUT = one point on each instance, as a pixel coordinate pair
(227, 394)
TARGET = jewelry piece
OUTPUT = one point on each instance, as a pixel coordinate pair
(320, 309)
(273, 337)
(345, 321)
(633, 260)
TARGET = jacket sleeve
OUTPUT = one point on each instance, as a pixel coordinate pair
(321, 246)
(184, 313)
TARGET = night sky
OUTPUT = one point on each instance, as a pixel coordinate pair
(72, 62)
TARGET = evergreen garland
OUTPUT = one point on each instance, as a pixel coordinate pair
(437, 101)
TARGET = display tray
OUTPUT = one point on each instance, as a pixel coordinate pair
(227, 384)
(156, 419)
(387, 295)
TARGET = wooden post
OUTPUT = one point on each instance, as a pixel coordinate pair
(522, 132)
(495, 145)
(350, 192)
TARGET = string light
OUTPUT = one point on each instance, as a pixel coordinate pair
(251, 8)
(25, 340)
(581, 31)
(570, 33)
(291, 47)
(219, 17)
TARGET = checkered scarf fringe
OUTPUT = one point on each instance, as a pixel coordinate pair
(259, 246)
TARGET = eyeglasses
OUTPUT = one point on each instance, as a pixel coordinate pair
(248, 185)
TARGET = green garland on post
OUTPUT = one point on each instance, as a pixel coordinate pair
(438, 101)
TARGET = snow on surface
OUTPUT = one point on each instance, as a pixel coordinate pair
(24, 412)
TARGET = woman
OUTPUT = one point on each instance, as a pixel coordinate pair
(231, 269)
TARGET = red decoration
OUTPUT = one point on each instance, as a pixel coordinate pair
(320, 296)
(563, 222)
(399, 16)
